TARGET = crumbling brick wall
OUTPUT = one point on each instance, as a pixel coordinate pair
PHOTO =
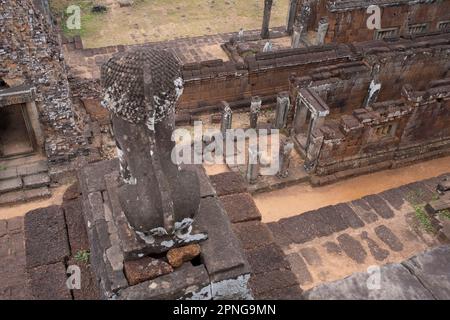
(348, 19)
(30, 54)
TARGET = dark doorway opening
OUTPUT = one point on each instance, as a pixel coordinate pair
(16, 137)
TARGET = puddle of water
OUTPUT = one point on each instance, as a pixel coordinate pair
(301, 198)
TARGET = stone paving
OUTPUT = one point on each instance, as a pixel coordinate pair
(424, 276)
(302, 253)
(334, 242)
(272, 277)
(85, 63)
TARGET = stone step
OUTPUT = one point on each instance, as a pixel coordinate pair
(33, 168)
(10, 185)
(7, 173)
(21, 196)
(36, 181)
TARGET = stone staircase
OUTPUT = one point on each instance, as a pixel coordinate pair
(21, 183)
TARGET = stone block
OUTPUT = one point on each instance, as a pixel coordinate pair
(240, 207)
(10, 185)
(289, 293)
(397, 283)
(145, 269)
(8, 173)
(388, 237)
(299, 268)
(280, 235)
(76, 226)
(268, 258)
(33, 168)
(253, 234)
(349, 216)
(228, 183)
(364, 211)
(72, 192)
(178, 256)
(304, 227)
(432, 269)
(36, 180)
(221, 253)
(12, 198)
(3, 229)
(48, 282)
(92, 177)
(46, 237)
(89, 284)
(264, 283)
(380, 206)
(206, 188)
(39, 193)
(394, 197)
(352, 248)
(188, 282)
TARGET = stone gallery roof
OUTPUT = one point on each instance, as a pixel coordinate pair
(340, 5)
(142, 85)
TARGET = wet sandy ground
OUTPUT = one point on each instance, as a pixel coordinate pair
(301, 198)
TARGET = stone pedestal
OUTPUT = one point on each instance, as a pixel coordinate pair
(221, 272)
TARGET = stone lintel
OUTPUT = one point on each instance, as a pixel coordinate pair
(314, 102)
(17, 95)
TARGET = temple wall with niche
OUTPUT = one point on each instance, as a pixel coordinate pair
(31, 57)
(347, 20)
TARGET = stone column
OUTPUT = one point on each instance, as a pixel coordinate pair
(283, 104)
(252, 165)
(266, 19)
(374, 87)
(316, 122)
(296, 35)
(291, 16)
(285, 158)
(322, 31)
(255, 108)
(300, 25)
(227, 118)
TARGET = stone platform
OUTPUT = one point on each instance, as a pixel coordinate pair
(222, 272)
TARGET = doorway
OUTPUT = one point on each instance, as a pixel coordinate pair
(16, 135)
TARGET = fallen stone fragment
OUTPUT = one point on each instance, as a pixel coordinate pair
(178, 256)
(144, 269)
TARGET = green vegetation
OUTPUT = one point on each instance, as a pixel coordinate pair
(2, 168)
(444, 214)
(416, 198)
(423, 218)
(159, 20)
(82, 256)
(90, 22)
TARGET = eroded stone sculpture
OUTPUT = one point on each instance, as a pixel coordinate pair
(159, 199)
